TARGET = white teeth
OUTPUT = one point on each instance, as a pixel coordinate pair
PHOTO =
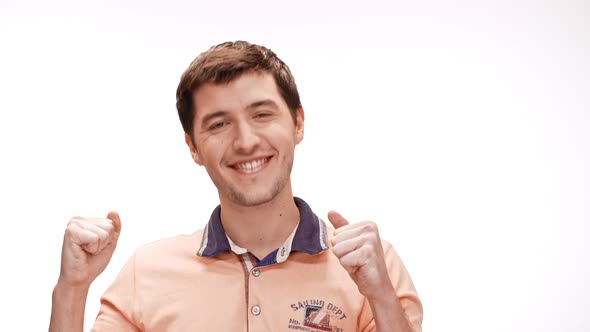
(251, 165)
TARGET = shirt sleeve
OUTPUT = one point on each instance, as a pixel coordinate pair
(118, 304)
(405, 290)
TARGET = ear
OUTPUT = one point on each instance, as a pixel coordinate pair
(300, 119)
(193, 149)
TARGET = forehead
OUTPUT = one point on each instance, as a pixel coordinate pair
(237, 94)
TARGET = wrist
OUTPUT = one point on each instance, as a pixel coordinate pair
(382, 296)
(388, 312)
(66, 291)
(68, 306)
(380, 291)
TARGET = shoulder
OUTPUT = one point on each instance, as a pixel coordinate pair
(171, 248)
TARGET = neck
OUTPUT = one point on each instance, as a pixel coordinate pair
(261, 228)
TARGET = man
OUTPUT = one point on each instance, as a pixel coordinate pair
(265, 261)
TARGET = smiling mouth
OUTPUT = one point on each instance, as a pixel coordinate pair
(251, 166)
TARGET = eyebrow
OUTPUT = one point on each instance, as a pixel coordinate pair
(264, 102)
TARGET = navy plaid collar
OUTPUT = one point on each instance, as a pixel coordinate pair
(310, 236)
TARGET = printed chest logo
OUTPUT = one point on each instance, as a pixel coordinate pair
(316, 316)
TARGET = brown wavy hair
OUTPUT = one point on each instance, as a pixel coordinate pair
(225, 62)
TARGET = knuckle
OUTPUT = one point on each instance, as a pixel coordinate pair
(367, 237)
(104, 221)
(71, 229)
(105, 236)
(370, 227)
(91, 248)
(367, 252)
(365, 227)
(76, 219)
(93, 238)
(100, 236)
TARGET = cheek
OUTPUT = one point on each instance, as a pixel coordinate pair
(211, 151)
(282, 132)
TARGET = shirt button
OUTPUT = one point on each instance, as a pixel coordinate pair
(255, 310)
(256, 272)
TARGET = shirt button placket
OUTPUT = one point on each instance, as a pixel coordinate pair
(255, 310)
(255, 272)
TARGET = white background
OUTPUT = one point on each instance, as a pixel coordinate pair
(461, 128)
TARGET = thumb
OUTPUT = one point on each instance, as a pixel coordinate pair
(337, 219)
(114, 216)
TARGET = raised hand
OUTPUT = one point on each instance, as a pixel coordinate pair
(359, 249)
(88, 246)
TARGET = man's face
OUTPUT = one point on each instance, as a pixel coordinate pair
(245, 137)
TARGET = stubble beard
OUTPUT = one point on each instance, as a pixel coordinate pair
(249, 199)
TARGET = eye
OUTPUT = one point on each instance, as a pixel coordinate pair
(218, 125)
(262, 115)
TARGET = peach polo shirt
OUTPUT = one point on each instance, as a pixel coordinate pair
(204, 282)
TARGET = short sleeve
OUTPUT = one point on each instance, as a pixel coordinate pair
(118, 303)
(405, 290)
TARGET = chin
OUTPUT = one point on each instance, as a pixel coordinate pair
(251, 198)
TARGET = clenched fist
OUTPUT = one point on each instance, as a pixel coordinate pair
(359, 249)
(88, 246)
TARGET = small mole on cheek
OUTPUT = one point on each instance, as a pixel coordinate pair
(280, 214)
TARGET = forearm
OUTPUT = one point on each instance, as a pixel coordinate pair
(388, 313)
(67, 310)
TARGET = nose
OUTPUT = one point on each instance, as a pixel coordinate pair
(246, 138)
